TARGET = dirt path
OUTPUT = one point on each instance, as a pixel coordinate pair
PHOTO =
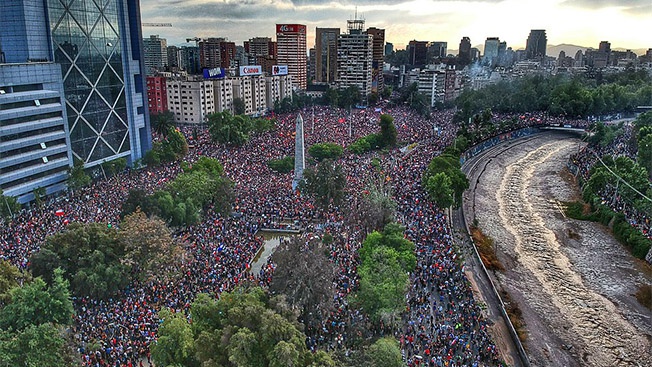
(573, 282)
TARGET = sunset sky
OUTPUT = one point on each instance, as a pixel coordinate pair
(625, 23)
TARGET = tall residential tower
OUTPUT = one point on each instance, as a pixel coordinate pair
(292, 51)
(535, 48)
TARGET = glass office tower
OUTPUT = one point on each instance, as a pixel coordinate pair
(98, 44)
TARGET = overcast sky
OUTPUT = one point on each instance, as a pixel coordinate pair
(625, 23)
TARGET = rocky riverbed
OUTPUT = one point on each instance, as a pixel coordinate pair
(573, 281)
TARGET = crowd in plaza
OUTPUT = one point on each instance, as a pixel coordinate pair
(444, 325)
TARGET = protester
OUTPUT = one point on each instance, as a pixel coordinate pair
(443, 323)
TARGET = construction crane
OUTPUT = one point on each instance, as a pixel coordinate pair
(156, 24)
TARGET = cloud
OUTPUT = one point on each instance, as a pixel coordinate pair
(635, 7)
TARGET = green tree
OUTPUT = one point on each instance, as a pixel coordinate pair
(326, 183)
(39, 195)
(228, 129)
(385, 352)
(378, 208)
(284, 354)
(10, 277)
(645, 153)
(77, 177)
(321, 151)
(203, 189)
(332, 97)
(386, 259)
(242, 328)
(349, 96)
(162, 123)
(149, 249)
(387, 131)
(35, 346)
(175, 345)
(283, 165)
(209, 165)
(304, 275)
(440, 191)
(450, 165)
(36, 303)
(239, 107)
(91, 257)
(383, 285)
(9, 206)
(115, 166)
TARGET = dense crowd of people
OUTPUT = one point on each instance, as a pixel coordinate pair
(588, 156)
(443, 323)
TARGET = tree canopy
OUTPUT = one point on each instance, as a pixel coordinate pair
(321, 151)
(201, 185)
(575, 97)
(228, 129)
(90, 255)
(282, 165)
(8, 206)
(385, 260)
(244, 327)
(444, 178)
(326, 183)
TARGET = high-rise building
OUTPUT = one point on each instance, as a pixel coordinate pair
(389, 48)
(312, 57)
(417, 53)
(223, 92)
(605, 46)
(261, 50)
(377, 59)
(189, 59)
(437, 50)
(326, 54)
(292, 51)
(100, 57)
(34, 139)
(157, 96)
(209, 52)
(432, 84)
(190, 100)
(103, 75)
(156, 54)
(490, 57)
(354, 58)
(464, 52)
(537, 42)
(173, 57)
(260, 46)
(228, 55)
(278, 87)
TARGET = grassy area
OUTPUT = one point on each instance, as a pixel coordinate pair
(487, 250)
(644, 295)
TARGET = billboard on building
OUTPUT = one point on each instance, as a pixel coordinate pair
(251, 70)
(280, 70)
(214, 73)
(290, 28)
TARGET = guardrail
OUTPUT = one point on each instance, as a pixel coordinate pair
(470, 153)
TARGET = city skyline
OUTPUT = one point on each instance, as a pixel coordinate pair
(579, 22)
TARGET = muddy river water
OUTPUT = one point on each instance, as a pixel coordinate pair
(573, 282)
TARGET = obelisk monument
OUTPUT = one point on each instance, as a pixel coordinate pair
(299, 156)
